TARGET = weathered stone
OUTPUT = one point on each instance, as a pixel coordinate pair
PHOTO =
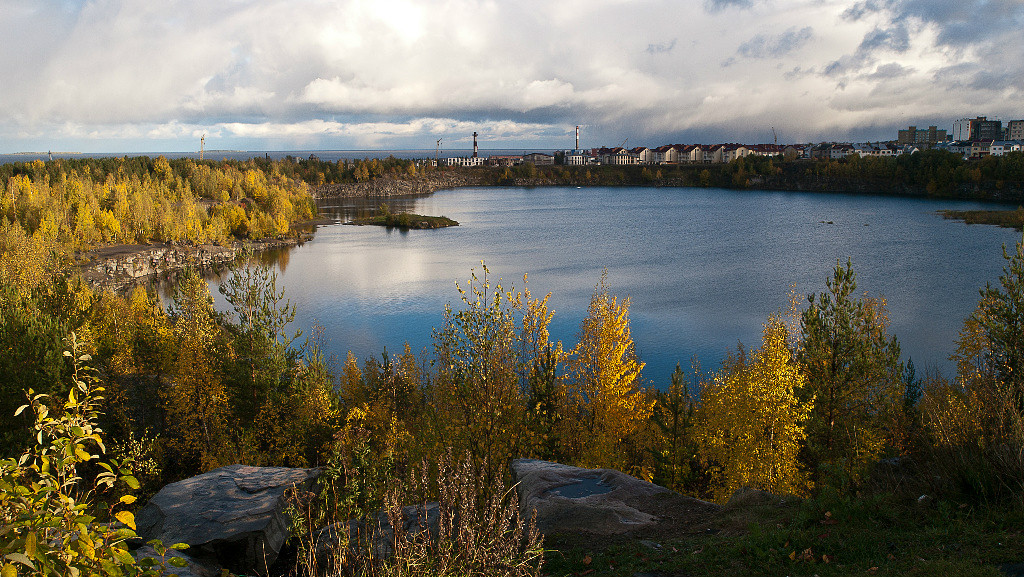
(234, 514)
(602, 501)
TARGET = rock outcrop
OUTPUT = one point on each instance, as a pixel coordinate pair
(234, 514)
(598, 501)
(119, 267)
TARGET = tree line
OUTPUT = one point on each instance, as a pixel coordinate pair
(822, 399)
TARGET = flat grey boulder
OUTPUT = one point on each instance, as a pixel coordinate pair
(234, 514)
(598, 501)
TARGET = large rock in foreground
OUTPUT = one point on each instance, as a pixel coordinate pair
(234, 514)
(599, 501)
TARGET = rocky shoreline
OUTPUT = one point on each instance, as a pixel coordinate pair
(119, 268)
(381, 187)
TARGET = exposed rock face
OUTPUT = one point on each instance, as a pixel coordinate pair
(601, 501)
(121, 266)
(234, 514)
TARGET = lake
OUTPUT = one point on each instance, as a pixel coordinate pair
(703, 268)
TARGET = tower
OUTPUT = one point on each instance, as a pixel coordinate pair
(202, 147)
(474, 145)
(577, 138)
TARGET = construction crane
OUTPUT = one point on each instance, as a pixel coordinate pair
(623, 145)
(775, 136)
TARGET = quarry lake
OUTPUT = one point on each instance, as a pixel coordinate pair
(703, 268)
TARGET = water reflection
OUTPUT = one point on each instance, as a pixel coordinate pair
(703, 267)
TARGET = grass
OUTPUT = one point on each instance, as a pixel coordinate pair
(880, 535)
(1003, 218)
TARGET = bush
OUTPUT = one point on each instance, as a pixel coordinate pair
(49, 509)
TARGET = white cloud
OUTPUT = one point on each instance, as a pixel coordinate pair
(343, 72)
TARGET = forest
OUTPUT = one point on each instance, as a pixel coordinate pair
(164, 393)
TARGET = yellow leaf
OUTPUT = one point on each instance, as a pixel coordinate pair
(31, 542)
(128, 499)
(792, 556)
(127, 518)
(8, 571)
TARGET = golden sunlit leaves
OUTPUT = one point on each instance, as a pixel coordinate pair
(750, 422)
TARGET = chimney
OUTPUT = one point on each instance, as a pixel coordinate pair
(474, 145)
(577, 138)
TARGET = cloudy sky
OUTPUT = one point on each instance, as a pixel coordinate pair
(145, 76)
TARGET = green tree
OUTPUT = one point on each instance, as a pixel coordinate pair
(854, 375)
(260, 342)
(477, 395)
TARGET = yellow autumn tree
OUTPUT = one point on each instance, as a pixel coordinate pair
(196, 402)
(750, 423)
(607, 404)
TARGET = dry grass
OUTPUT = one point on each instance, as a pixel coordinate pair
(471, 530)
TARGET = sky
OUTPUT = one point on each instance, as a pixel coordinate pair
(145, 76)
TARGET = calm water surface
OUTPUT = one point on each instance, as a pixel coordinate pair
(703, 267)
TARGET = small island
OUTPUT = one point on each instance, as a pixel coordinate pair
(1003, 218)
(404, 220)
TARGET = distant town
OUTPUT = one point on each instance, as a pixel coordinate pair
(973, 138)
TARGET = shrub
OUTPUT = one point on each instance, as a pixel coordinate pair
(49, 511)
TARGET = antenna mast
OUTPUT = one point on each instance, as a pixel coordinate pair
(437, 151)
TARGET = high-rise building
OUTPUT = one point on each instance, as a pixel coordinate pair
(914, 135)
(1015, 130)
(980, 128)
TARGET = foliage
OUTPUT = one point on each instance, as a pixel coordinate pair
(606, 399)
(82, 203)
(676, 465)
(196, 401)
(49, 508)
(853, 373)
(477, 394)
(751, 423)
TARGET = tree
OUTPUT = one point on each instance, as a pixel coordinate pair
(259, 338)
(477, 394)
(606, 397)
(674, 417)
(1000, 316)
(197, 400)
(751, 423)
(853, 372)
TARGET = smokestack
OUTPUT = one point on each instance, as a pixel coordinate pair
(474, 145)
(577, 138)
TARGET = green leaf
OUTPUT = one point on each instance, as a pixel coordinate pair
(131, 481)
(177, 562)
(20, 558)
(124, 557)
(180, 546)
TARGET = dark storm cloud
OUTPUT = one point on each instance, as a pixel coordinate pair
(762, 46)
(896, 38)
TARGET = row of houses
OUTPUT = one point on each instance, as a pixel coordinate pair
(724, 153)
